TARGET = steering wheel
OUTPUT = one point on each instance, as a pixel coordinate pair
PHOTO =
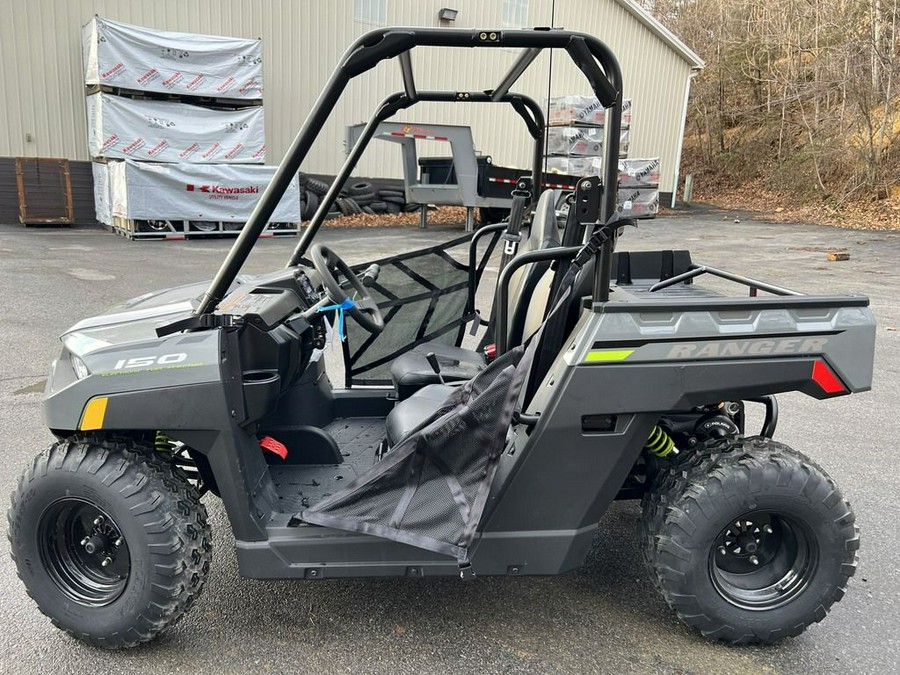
(364, 309)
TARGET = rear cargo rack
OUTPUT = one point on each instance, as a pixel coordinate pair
(697, 270)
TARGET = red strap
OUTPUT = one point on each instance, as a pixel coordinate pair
(273, 446)
(490, 352)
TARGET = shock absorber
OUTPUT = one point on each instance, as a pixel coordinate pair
(660, 443)
(163, 442)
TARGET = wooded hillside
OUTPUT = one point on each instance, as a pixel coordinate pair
(799, 99)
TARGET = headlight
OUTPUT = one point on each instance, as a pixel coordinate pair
(81, 370)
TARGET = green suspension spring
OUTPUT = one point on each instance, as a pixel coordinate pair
(163, 442)
(660, 443)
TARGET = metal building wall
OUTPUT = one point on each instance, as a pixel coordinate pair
(42, 93)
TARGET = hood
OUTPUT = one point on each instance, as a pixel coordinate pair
(135, 320)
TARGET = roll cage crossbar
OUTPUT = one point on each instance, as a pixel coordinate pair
(525, 106)
(595, 60)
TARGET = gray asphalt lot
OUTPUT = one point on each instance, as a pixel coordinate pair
(604, 618)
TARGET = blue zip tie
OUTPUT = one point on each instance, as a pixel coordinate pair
(341, 308)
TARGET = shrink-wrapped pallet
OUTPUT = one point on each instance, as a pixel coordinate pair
(168, 131)
(639, 172)
(218, 192)
(136, 58)
(583, 110)
(638, 202)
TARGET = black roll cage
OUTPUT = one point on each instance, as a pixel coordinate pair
(595, 60)
(394, 103)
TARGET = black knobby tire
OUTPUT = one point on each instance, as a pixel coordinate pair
(343, 206)
(354, 205)
(316, 186)
(348, 206)
(309, 205)
(151, 509)
(802, 565)
(391, 207)
(389, 192)
(361, 188)
(364, 199)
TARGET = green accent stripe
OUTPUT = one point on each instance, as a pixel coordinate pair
(605, 355)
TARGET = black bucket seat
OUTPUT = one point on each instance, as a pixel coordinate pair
(529, 290)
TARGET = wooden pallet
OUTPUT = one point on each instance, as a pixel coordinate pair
(179, 230)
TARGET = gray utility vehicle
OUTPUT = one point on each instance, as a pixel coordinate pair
(608, 376)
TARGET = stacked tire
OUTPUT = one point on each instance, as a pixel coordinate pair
(357, 197)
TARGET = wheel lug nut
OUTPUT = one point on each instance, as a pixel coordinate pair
(754, 560)
(98, 520)
(767, 529)
(118, 542)
(106, 562)
(84, 541)
(722, 550)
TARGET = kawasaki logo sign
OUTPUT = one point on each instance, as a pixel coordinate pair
(223, 189)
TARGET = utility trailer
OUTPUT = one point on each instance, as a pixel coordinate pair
(465, 178)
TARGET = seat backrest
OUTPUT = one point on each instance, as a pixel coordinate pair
(529, 286)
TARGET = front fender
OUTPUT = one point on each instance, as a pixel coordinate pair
(153, 370)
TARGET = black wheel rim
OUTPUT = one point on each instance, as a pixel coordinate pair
(763, 560)
(84, 552)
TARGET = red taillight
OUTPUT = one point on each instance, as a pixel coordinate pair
(823, 376)
(490, 352)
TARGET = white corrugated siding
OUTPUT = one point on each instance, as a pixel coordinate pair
(42, 93)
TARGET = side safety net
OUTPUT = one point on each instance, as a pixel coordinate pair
(431, 488)
(423, 296)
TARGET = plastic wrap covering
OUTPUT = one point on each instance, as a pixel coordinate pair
(575, 141)
(583, 110)
(221, 192)
(639, 172)
(633, 173)
(638, 202)
(574, 166)
(167, 131)
(132, 57)
(102, 207)
(582, 141)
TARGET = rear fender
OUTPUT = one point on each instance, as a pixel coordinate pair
(625, 368)
(675, 358)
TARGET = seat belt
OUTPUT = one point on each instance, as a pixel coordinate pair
(584, 211)
(554, 327)
(511, 238)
